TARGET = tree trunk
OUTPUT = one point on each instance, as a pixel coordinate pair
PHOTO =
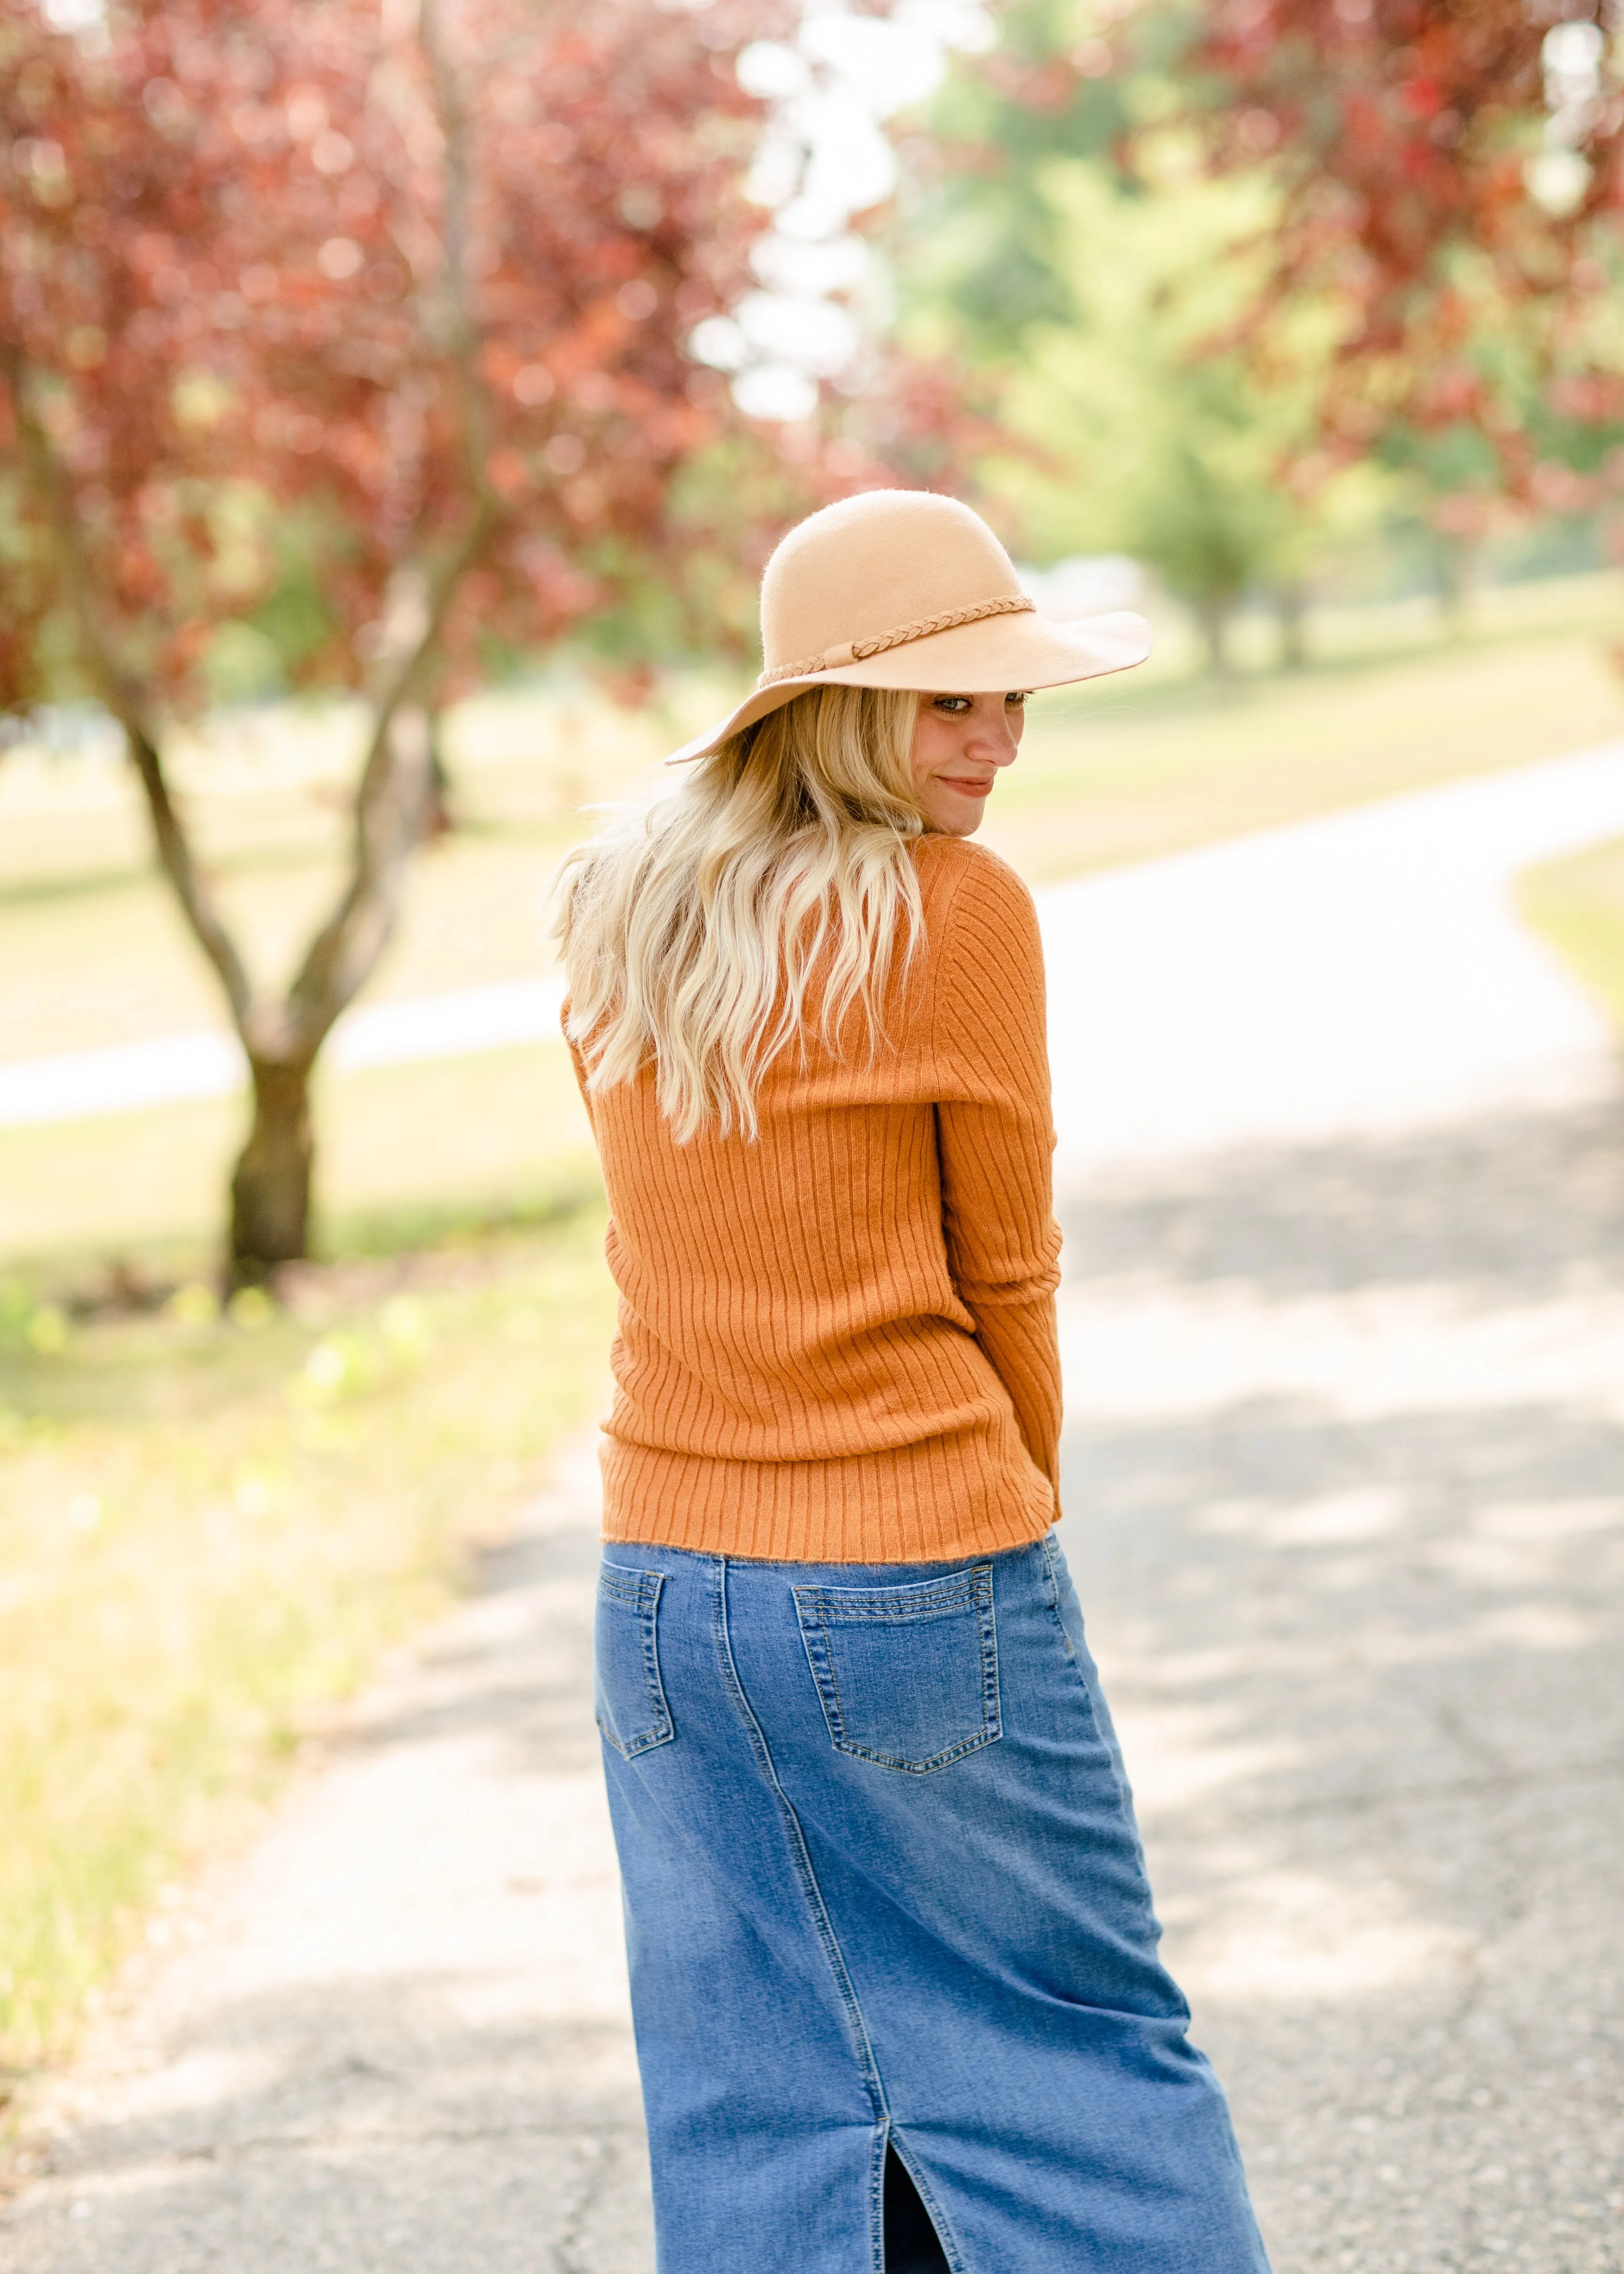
(270, 1186)
(439, 819)
(1290, 612)
(1213, 618)
(1455, 565)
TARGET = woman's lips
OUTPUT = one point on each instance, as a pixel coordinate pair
(968, 788)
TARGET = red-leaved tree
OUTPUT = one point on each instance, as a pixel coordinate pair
(411, 278)
(1451, 173)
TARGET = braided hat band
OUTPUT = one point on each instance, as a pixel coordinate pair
(850, 652)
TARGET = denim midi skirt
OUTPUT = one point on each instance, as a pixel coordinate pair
(883, 1890)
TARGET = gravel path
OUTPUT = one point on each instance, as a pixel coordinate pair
(1344, 1176)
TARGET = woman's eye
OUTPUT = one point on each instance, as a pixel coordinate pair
(1016, 702)
(953, 704)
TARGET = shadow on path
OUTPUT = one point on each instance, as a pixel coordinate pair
(1504, 1207)
(1345, 1476)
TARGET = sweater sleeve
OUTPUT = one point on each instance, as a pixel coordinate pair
(995, 1135)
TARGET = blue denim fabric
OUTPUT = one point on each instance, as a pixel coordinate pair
(883, 1881)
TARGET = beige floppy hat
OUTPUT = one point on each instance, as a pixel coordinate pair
(903, 588)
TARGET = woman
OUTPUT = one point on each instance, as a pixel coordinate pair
(893, 1961)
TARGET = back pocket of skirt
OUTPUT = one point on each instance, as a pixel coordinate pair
(630, 1702)
(908, 1676)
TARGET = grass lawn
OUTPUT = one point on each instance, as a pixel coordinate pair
(1578, 905)
(210, 1527)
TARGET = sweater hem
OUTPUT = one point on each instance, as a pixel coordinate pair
(921, 1503)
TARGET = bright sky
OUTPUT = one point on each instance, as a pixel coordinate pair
(823, 159)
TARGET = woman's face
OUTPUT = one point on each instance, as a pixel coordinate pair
(959, 742)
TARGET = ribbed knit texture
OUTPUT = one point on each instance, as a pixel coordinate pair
(836, 1341)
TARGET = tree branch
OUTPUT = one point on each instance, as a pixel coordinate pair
(392, 793)
(118, 691)
(389, 803)
(459, 320)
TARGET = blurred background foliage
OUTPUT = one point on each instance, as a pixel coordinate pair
(1295, 323)
(1211, 361)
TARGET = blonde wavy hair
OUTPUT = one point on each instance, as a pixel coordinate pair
(691, 929)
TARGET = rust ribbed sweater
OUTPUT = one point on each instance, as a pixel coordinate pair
(836, 1341)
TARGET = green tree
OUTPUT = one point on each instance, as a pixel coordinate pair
(1103, 304)
(1145, 435)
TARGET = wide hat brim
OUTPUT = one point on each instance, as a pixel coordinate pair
(1000, 653)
